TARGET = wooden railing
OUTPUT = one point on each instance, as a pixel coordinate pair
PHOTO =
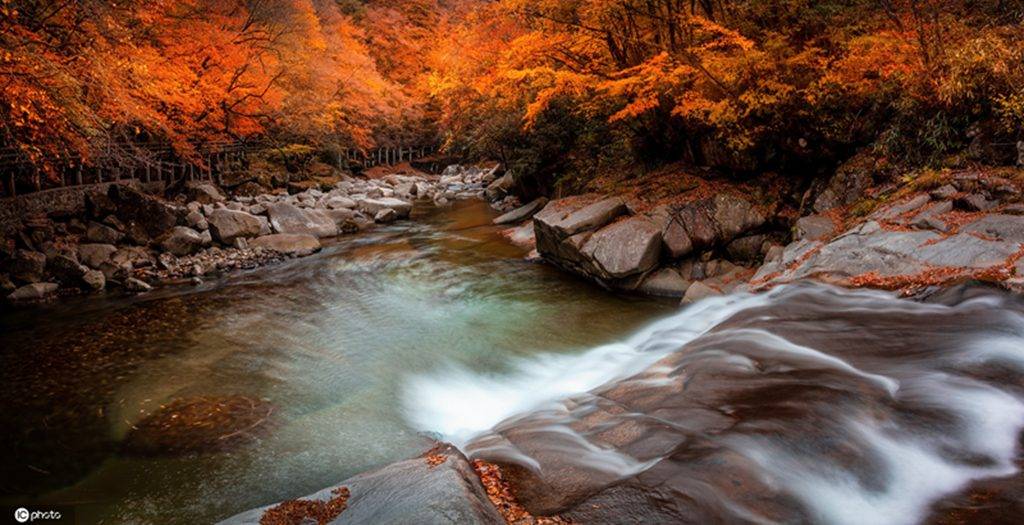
(160, 163)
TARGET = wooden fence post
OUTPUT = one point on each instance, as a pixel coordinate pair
(78, 175)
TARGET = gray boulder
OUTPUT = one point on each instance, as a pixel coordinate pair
(665, 282)
(372, 206)
(134, 285)
(523, 212)
(386, 215)
(153, 216)
(203, 192)
(227, 225)
(102, 234)
(286, 218)
(814, 227)
(500, 187)
(66, 270)
(27, 266)
(182, 241)
(95, 255)
(627, 247)
(440, 488)
(296, 245)
(747, 248)
(699, 290)
(94, 280)
(33, 292)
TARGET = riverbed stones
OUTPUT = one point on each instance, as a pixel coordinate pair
(95, 255)
(664, 282)
(101, 233)
(699, 290)
(182, 241)
(386, 215)
(33, 292)
(372, 206)
(94, 280)
(27, 266)
(196, 220)
(227, 225)
(523, 212)
(203, 192)
(66, 270)
(152, 215)
(287, 218)
(295, 245)
(134, 285)
(439, 487)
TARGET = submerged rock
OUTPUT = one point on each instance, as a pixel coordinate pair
(296, 245)
(201, 424)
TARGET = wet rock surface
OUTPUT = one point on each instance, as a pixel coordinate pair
(439, 487)
(787, 407)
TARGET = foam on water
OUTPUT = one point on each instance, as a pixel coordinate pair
(907, 462)
(460, 404)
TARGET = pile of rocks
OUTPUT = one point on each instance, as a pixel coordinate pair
(133, 240)
(673, 251)
(971, 227)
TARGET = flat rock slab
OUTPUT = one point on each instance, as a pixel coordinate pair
(373, 206)
(287, 218)
(523, 212)
(437, 488)
(293, 244)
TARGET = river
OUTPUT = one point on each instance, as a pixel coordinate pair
(329, 341)
(805, 404)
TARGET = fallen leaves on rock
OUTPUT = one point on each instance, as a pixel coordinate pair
(501, 496)
(300, 511)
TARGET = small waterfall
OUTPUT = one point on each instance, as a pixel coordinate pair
(810, 403)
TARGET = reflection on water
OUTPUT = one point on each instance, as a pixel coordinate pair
(327, 340)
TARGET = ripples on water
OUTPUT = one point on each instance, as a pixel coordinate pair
(805, 404)
(327, 340)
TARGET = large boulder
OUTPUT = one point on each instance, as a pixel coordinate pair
(181, 241)
(500, 187)
(227, 225)
(287, 218)
(708, 223)
(814, 227)
(33, 292)
(95, 255)
(66, 270)
(666, 282)
(523, 212)
(203, 192)
(437, 488)
(848, 185)
(624, 248)
(152, 215)
(27, 266)
(102, 234)
(296, 245)
(373, 206)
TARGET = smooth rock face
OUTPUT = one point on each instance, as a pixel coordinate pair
(290, 244)
(625, 248)
(986, 243)
(523, 212)
(410, 491)
(227, 225)
(590, 217)
(33, 291)
(665, 282)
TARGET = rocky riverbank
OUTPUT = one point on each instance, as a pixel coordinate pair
(942, 229)
(132, 241)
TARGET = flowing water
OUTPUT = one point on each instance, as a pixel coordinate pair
(328, 341)
(806, 404)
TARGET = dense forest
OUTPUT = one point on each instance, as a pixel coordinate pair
(560, 90)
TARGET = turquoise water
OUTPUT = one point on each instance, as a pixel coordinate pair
(329, 341)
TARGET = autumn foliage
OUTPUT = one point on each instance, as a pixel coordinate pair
(555, 88)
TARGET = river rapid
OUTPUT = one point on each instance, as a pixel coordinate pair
(805, 404)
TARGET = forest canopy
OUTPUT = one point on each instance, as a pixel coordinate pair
(550, 87)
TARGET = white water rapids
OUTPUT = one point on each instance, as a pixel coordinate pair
(860, 407)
